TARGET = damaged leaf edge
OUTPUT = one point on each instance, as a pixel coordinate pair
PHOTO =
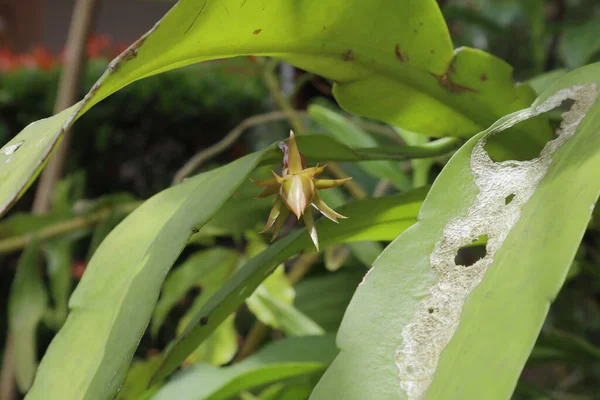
(437, 316)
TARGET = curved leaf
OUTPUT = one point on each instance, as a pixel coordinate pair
(420, 326)
(278, 361)
(110, 308)
(392, 60)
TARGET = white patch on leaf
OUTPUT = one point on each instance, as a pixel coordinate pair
(504, 188)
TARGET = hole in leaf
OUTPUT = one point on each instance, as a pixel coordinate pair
(508, 199)
(470, 254)
(430, 311)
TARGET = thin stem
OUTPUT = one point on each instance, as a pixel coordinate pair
(79, 223)
(273, 85)
(81, 23)
(201, 157)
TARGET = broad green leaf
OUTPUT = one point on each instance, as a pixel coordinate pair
(366, 252)
(206, 270)
(112, 304)
(420, 326)
(579, 43)
(391, 60)
(324, 298)
(287, 358)
(26, 306)
(272, 301)
(372, 219)
(58, 255)
(138, 379)
(286, 317)
(219, 348)
(351, 135)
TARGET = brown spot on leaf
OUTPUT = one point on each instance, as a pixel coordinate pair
(432, 51)
(447, 83)
(401, 57)
(203, 321)
(483, 77)
(257, 31)
(348, 55)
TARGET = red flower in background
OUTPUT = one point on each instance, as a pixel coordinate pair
(98, 46)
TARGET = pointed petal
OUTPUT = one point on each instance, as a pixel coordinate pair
(297, 192)
(278, 178)
(314, 172)
(327, 211)
(329, 183)
(281, 220)
(295, 159)
(309, 221)
(275, 211)
(265, 182)
(269, 191)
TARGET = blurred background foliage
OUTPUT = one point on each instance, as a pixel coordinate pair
(130, 146)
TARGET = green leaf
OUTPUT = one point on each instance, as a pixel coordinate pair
(351, 135)
(207, 270)
(420, 324)
(138, 379)
(579, 43)
(26, 306)
(219, 348)
(324, 299)
(287, 358)
(285, 316)
(366, 252)
(372, 219)
(58, 255)
(112, 304)
(391, 60)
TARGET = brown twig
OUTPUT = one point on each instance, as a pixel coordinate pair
(14, 243)
(79, 30)
(197, 160)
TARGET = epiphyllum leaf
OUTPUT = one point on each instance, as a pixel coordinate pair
(296, 190)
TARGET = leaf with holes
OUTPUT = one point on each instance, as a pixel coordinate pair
(418, 311)
(391, 60)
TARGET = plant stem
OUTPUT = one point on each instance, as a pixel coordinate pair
(78, 223)
(79, 30)
(273, 86)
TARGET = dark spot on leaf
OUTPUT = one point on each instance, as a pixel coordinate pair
(256, 32)
(421, 23)
(415, 30)
(483, 77)
(348, 55)
(432, 51)
(203, 321)
(401, 57)
(430, 311)
(509, 198)
(447, 83)
(195, 230)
